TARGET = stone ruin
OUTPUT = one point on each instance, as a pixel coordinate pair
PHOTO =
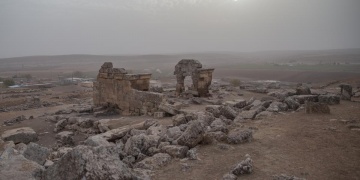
(127, 92)
(201, 78)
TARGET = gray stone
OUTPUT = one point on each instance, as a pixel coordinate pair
(60, 125)
(313, 107)
(96, 141)
(239, 136)
(193, 134)
(140, 144)
(154, 162)
(346, 91)
(36, 153)
(329, 99)
(292, 103)
(214, 110)
(175, 151)
(247, 114)
(14, 166)
(218, 125)
(303, 90)
(229, 176)
(20, 135)
(159, 115)
(228, 112)
(277, 107)
(244, 167)
(192, 154)
(303, 98)
(66, 138)
(179, 119)
(85, 162)
(168, 108)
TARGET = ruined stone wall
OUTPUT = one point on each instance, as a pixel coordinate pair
(126, 91)
(201, 77)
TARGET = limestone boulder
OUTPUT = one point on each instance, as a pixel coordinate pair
(37, 153)
(85, 162)
(154, 162)
(20, 135)
(175, 151)
(140, 144)
(193, 134)
(238, 136)
(329, 99)
(14, 166)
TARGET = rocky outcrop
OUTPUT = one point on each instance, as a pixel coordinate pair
(20, 135)
(193, 134)
(85, 162)
(37, 153)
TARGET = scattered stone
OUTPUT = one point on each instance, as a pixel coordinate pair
(175, 151)
(277, 107)
(48, 163)
(329, 99)
(159, 115)
(292, 103)
(346, 91)
(219, 125)
(66, 138)
(239, 136)
(154, 162)
(193, 134)
(85, 162)
(312, 107)
(60, 125)
(20, 135)
(244, 167)
(96, 141)
(214, 110)
(247, 114)
(303, 90)
(21, 147)
(168, 108)
(140, 144)
(14, 166)
(14, 120)
(36, 153)
(179, 119)
(228, 112)
(150, 122)
(306, 98)
(192, 154)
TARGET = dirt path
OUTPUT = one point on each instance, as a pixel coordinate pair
(308, 146)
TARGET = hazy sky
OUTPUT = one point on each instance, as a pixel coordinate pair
(47, 27)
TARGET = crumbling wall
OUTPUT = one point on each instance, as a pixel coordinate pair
(201, 77)
(126, 91)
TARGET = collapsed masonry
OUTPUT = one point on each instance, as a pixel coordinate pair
(201, 78)
(127, 92)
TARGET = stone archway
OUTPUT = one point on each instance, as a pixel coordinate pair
(201, 78)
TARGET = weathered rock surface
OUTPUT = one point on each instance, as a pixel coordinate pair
(311, 107)
(85, 162)
(228, 112)
(175, 150)
(154, 162)
(37, 153)
(240, 136)
(244, 167)
(329, 99)
(96, 141)
(140, 144)
(66, 138)
(14, 166)
(20, 135)
(193, 134)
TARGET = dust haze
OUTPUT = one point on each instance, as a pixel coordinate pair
(179, 89)
(57, 27)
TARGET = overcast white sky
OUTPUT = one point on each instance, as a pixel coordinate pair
(49, 27)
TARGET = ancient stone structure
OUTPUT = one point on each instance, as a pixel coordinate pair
(346, 91)
(201, 78)
(128, 92)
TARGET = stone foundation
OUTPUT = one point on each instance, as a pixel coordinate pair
(128, 92)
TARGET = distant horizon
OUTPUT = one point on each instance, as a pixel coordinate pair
(180, 53)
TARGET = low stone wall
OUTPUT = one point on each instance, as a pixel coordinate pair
(129, 92)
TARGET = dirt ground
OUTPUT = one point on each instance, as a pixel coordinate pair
(310, 146)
